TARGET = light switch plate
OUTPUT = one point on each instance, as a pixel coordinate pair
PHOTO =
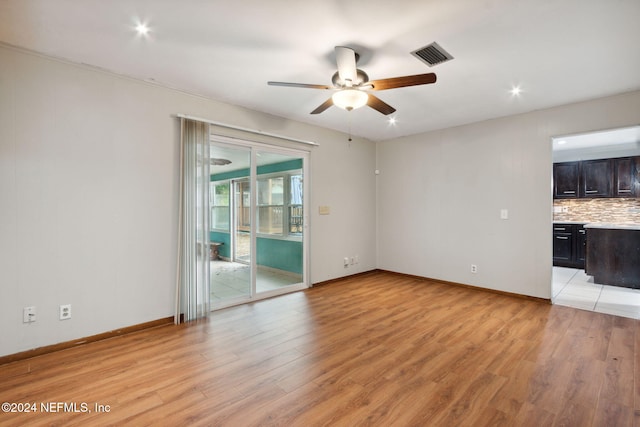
(504, 214)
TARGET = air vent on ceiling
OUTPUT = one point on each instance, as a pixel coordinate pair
(432, 54)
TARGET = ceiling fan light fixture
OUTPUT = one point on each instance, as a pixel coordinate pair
(350, 99)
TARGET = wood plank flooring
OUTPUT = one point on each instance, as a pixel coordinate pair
(376, 350)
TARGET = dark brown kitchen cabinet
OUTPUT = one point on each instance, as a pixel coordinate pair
(569, 245)
(566, 179)
(596, 178)
(613, 177)
(581, 245)
(625, 177)
(612, 256)
(562, 248)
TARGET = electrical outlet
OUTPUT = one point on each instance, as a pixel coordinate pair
(474, 268)
(346, 261)
(65, 312)
(28, 314)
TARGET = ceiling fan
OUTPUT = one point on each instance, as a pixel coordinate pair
(352, 83)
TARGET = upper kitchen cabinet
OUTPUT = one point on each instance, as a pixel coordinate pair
(618, 177)
(566, 179)
(596, 178)
(625, 177)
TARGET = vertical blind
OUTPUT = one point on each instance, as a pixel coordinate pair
(193, 282)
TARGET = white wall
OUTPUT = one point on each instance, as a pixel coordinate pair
(88, 197)
(439, 196)
(344, 181)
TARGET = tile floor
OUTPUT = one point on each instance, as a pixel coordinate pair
(573, 288)
(231, 280)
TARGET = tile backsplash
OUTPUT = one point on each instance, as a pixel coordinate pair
(619, 211)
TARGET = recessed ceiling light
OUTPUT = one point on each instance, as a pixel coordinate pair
(142, 29)
(392, 120)
(515, 91)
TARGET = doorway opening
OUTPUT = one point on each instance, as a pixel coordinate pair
(595, 181)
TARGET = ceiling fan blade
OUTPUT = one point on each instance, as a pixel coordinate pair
(379, 105)
(395, 82)
(346, 60)
(304, 85)
(326, 104)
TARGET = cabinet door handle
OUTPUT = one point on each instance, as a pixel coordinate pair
(560, 229)
(581, 231)
(624, 191)
(569, 192)
(562, 238)
(591, 191)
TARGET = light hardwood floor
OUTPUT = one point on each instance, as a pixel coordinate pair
(379, 349)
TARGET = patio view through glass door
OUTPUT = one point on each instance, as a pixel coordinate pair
(230, 226)
(279, 221)
(257, 222)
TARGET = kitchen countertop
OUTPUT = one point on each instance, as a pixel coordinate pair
(612, 226)
(571, 222)
(608, 225)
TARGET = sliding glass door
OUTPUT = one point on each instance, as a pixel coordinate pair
(257, 221)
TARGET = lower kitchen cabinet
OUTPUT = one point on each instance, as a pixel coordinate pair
(613, 256)
(581, 245)
(569, 241)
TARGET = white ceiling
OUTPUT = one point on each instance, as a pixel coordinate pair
(558, 52)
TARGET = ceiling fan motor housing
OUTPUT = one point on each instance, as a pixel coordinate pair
(361, 77)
